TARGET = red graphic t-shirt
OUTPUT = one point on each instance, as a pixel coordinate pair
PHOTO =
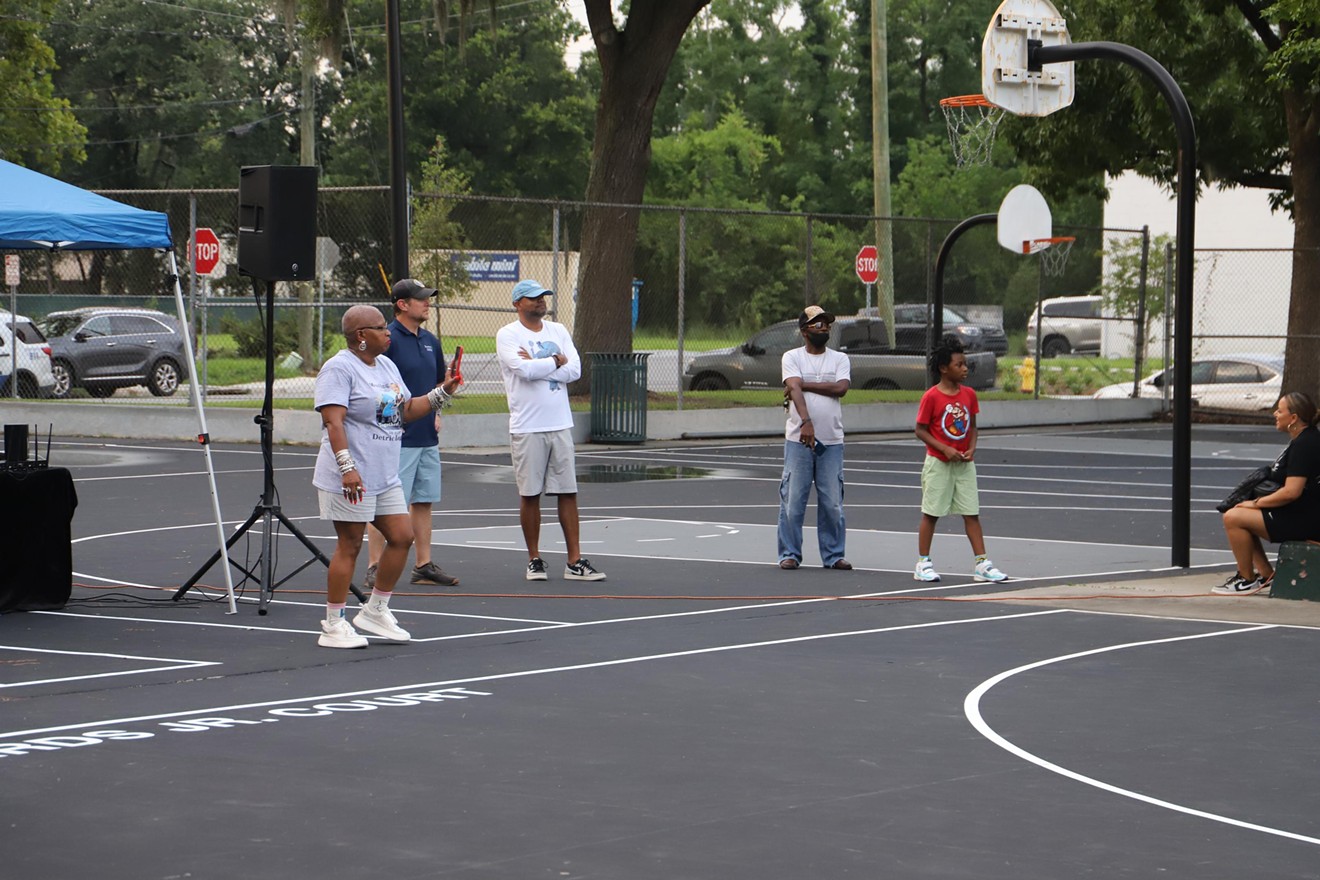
(949, 417)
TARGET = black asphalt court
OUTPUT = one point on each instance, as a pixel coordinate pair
(700, 713)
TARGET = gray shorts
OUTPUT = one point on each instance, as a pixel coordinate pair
(543, 463)
(335, 507)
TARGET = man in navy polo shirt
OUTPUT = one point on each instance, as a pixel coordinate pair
(421, 361)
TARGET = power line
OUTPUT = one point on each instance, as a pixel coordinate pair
(163, 137)
(74, 108)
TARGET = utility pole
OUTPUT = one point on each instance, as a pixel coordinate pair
(882, 206)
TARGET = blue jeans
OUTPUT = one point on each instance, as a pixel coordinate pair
(803, 468)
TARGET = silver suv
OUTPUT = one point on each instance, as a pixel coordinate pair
(1072, 324)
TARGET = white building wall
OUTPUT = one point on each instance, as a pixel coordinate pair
(1234, 292)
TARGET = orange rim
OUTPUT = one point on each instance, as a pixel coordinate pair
(966, 101)
(1041, 243)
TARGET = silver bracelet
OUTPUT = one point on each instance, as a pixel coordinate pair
(438, 398)
(346, 466)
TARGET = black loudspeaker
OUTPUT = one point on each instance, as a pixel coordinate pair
(277, 222)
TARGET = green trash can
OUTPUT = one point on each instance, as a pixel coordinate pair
(618, 397)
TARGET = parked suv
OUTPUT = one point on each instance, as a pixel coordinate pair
(1072, 324)
(35, 377)
(102, 349)
(912, 319)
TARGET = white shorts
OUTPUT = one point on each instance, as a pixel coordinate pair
(419, 471)
(543, 463)
(335, 507)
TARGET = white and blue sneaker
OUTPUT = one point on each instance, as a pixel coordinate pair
(339, 633)
(985, 571)
(925, 571)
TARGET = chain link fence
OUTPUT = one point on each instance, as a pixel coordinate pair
(706, 280)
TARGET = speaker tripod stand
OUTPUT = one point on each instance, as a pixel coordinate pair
(267, 509)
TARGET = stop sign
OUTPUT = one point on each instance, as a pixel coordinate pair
(206, 251)
(868, 264)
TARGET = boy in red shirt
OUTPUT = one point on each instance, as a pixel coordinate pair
(946, 423)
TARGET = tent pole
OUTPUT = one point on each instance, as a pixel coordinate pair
(203, 437)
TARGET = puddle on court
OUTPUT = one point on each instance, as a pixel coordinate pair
(628, 473)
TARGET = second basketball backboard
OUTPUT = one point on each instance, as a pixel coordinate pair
(1024, 216)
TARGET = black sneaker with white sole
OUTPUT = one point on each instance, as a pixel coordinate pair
(536, 570)
(582, 570)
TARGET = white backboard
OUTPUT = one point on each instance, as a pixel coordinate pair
(1005, 80)
(1024, 216)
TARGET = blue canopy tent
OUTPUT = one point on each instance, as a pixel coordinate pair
(41, 213)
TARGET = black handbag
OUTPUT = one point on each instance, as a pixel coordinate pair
(1258, 484)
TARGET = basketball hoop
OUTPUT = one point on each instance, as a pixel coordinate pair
(1053, 252)
(972, 122)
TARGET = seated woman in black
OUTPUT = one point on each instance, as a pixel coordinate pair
(1290, 514)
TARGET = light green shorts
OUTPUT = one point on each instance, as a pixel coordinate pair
(949, 487)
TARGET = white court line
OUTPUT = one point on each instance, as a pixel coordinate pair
(527, 673)
(972, 709)
(175, 664)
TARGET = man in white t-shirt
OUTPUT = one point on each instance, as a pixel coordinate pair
(815, 380)
(537, 361)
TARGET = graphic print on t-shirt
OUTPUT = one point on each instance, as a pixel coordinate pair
(955, 421)
(548, 348)
(388, 412)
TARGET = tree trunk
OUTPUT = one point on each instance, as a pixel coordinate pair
(1302, 356)
(634, 63)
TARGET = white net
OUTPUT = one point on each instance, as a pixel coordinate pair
(1053, 253)
(972, 122)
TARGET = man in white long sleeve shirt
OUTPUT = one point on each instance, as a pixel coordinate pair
(537, 361)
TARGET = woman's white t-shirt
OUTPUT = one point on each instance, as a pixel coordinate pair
(374, 397)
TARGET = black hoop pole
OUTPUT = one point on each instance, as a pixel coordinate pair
(936, 325)
(1037, 56)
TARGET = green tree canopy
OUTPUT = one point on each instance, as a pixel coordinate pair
(37, 129)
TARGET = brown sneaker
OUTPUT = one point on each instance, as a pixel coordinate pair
(430, 573)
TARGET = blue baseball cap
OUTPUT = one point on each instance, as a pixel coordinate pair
(529, 288)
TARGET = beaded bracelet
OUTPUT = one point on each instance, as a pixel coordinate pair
(344, 459)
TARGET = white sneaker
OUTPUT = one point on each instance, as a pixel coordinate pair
(1238, 586)
(925, 571)
(379, 621)
(338, 633)
(985, 571)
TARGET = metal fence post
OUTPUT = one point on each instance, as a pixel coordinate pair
(682, 293)
(1168, 320)
(1139, 331)
(554, 253)
(807, 286)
